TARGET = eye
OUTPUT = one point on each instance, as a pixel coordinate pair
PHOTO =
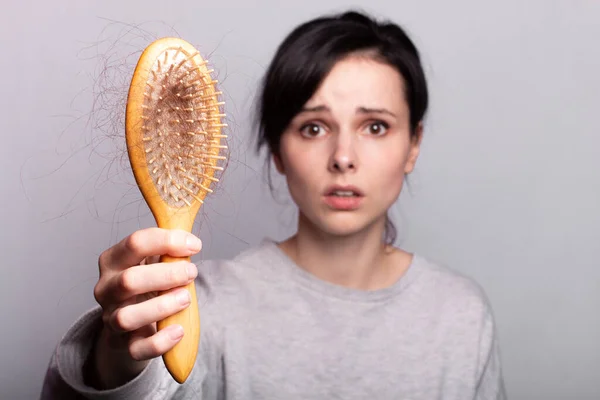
(377, 128)
(311, 130)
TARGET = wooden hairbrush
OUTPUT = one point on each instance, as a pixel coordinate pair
(173, 133)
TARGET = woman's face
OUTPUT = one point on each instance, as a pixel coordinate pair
(345, 154)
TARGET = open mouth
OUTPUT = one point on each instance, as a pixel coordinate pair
(344, 198)
(344, 193)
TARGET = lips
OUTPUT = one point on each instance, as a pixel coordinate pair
(343, 189)
(343, 197)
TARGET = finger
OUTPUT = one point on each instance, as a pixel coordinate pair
(150, 260)
(143, 346)
(143, 279)
(122, 341)
(150, 242)
(133, 316)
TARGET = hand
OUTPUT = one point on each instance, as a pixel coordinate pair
(131, 279)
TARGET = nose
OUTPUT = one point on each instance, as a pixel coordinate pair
(343, 157)
(342, 164)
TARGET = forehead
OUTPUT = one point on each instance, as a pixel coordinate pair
(361, 81)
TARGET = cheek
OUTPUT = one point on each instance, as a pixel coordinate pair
(300, 171)
(388, 174)
(391, 181)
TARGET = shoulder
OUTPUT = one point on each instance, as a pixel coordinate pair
(256, 264)
(253, 257)
(229, 290)
(450, 290)
(455, 304)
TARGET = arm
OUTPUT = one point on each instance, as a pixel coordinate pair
(69, 372)
(113, 351)
(65, 377)
(490, 382)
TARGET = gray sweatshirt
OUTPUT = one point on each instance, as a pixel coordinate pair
(271, 330)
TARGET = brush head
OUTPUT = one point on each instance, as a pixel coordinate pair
(173, 128)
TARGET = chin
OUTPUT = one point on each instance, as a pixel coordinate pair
(345, 225)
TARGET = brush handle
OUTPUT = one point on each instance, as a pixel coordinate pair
(181, 358)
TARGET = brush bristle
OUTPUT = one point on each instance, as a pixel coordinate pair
(181, 127)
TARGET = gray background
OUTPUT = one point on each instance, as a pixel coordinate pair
(506, 190)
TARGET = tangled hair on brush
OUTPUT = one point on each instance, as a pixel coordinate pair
(308, 54)
(96, 121)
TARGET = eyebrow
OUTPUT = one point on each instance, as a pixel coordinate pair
(314, 109)
(361, 110)
(365, 110)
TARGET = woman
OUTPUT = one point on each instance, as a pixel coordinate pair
(334, 311)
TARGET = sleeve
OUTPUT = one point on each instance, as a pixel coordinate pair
(65, 379)
(490, 382)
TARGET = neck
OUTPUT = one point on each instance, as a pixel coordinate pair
(361, 260)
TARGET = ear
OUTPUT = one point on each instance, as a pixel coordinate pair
(415, 147)
(278, 163)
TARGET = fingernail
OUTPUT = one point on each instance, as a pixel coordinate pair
(183, 297)
(192, 271)
(193, 243)
(176, 332)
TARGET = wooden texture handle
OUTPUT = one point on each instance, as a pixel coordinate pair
(181, 358)
(175, 187)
